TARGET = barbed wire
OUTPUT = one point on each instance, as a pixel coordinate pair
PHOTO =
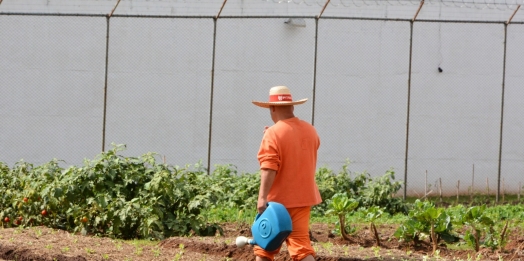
(210, 6)
(472, 4)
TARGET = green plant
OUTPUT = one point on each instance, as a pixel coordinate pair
(156, 251)
(376, 251)
(180, 253)
(380, 192)
(425, 218)
(480, 225)
(340, 205)
(111, 195)
(330, 183)
(372, 214)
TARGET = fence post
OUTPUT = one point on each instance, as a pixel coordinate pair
(210, 131)
(105, 85)
(315, 63)
(408, 108)
(104, 117)
(212, 91)
(502, 110)
(313, 99)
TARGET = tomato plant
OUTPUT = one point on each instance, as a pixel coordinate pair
(126, 197)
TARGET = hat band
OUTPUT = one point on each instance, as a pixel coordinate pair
(280, 97)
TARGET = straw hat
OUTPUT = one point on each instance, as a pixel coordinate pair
(279, 96)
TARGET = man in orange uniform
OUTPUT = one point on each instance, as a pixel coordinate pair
(288, 158)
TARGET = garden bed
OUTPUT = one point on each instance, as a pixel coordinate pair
(42, 243)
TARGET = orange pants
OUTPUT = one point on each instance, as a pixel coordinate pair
(298, 242)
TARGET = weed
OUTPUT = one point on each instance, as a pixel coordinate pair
(437, 255)
(138, 250)
(376, 250)
(179, 255)
(156, 251)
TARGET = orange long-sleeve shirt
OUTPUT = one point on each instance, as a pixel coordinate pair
(290, 148)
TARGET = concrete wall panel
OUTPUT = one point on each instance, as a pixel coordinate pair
(159, 84)
(51, 100)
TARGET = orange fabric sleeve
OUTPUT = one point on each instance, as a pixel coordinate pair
(268, 154)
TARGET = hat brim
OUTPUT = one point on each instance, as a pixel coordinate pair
(280, 103)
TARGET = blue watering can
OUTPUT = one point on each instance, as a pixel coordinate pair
(270, 229)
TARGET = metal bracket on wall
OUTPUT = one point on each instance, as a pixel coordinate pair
(510, 18)
(220, 11)
(114, 8)
(323, 8)
(418, 10)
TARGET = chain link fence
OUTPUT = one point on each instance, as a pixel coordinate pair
(437, 101)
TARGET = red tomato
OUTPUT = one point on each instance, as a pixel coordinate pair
(84, 220)
(25, 199)
(44, 212)
(6, 220)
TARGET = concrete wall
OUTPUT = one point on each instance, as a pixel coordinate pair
(52, 87)
(169, 82)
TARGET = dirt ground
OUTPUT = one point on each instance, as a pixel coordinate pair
(42, 244)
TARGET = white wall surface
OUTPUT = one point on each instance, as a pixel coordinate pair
(256, 54)
(455, 115)
(513, 129)
(51, 102)
(361, 94)
(159, 84)
(58, 6)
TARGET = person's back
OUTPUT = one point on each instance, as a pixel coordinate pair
(297, 142)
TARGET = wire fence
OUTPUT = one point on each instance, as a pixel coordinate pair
(437, 101)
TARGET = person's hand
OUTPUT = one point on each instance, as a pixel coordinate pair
(261, 205)
(265, 128)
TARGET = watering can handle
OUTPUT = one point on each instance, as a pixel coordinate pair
(259, 214)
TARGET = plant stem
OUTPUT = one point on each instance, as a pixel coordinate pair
(503, 235)
(433, 239)
(375, 233)
(477, 239)
(342, 219)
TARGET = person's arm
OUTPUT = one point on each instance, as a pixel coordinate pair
(267, 176)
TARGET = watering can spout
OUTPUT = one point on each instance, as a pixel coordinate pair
(242, 241)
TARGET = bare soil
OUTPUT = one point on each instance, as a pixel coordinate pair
(43, 244)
